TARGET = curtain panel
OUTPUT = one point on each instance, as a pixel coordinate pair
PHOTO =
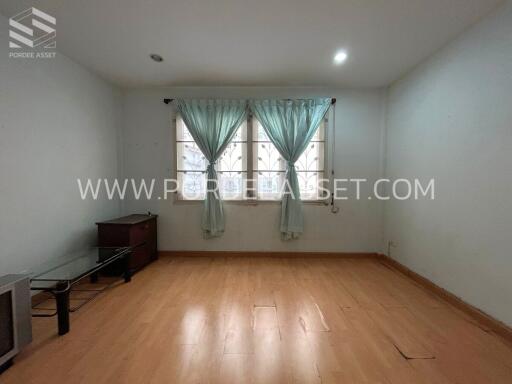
(290, 126)
(212, 124)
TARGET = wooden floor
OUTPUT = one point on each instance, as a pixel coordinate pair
(265, 320)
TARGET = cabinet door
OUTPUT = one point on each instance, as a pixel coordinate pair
(113, 235)
(139, 234)
(153, 252)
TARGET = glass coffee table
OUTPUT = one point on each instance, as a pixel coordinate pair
(59, 276)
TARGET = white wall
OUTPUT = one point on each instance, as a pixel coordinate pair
(451, 119)
(57, 122)
(356, 228)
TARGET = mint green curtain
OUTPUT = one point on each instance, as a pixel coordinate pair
(290, 125)
(212, 124)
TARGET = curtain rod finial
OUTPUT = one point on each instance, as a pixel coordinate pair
(333, 101)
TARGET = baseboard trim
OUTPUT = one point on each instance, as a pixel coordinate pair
(481, 317)
(348, 255)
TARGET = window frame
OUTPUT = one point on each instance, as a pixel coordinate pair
(252, 200)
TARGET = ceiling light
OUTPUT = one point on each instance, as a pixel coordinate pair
(156, 58)
(340, 57)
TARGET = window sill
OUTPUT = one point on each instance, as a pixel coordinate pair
(251, 202)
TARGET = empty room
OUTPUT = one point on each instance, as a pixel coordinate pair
(242, 191)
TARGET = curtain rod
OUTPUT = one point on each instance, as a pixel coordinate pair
(167, 101)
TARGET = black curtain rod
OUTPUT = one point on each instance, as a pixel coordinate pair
(167, 101)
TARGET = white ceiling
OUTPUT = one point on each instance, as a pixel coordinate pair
(254, 42)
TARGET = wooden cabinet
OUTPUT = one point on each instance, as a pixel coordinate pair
(131, 230)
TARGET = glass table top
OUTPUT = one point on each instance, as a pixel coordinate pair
(76, 265)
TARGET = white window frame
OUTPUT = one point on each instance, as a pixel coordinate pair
(251, 200)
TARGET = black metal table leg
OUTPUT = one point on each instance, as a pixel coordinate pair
(126, 267)
(6, 365)
(62, 299)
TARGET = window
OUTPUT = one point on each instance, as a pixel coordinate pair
(191, 165)
(264, 170)
(270, 168)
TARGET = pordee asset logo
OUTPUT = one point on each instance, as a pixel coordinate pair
(32, 35)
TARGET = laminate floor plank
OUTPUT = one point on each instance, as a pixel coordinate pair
(230, 319)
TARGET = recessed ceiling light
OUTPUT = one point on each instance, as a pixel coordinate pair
(156, 58)
(340, 57)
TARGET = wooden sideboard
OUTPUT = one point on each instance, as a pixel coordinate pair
(131, 230)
